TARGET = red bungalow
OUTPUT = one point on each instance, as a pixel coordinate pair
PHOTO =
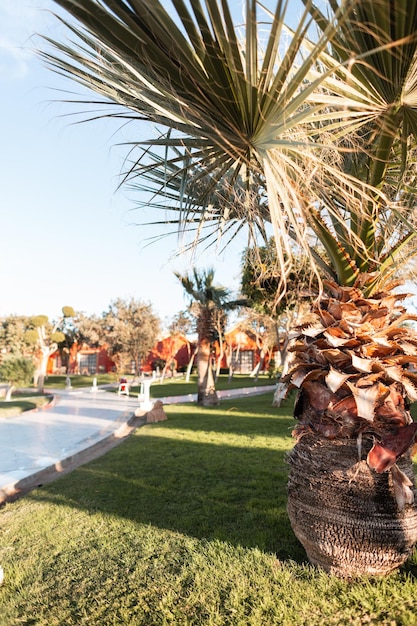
(242, 349)
(173, 350)
(85, 360)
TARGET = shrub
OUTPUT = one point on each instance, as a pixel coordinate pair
(17, 370)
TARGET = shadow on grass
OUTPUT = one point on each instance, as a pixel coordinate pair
(23, 402)
(213, 490)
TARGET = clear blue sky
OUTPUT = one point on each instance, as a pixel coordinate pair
(67, 236)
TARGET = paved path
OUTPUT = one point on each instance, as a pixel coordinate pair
(37, 445)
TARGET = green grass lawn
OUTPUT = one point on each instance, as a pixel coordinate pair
(79, 380)
(168, 387)
(184, 523)
(178, 387)
(23, 402)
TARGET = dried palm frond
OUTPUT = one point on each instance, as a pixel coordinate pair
(352, 374)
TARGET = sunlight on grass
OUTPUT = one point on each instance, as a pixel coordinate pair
(182, 524)
(211, 437)
(252, 434)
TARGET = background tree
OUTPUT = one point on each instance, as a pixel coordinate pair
(12, 335)
(90, 330)
(278, 316)
(16, 371)
(69, 328)
(181, 324)
(263, 329)
(46, 337)
(131, 329)
(261, 279)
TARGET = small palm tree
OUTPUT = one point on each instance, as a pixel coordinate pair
(207, 300)
(260, 126)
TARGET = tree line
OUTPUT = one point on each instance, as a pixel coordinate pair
(129, 329)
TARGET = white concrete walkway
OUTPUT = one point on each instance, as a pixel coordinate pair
(36, 440)
(49, 439)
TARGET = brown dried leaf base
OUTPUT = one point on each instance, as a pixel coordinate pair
(345, 514)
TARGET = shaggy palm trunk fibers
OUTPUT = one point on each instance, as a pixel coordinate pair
(343, 512)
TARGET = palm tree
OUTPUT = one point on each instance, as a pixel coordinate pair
(207, 300)
(353, 366)
(316, 138)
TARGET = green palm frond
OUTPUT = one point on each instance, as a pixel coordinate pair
(379, 38)
(233, 113)
(223, 207)
(322, 129)
(202, 289)
(344, 265)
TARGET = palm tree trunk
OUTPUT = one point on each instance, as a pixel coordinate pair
(206, 394)
(344, 513)
(351, 491)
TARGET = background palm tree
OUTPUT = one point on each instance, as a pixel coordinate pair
(208, 300)
(261, 126)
